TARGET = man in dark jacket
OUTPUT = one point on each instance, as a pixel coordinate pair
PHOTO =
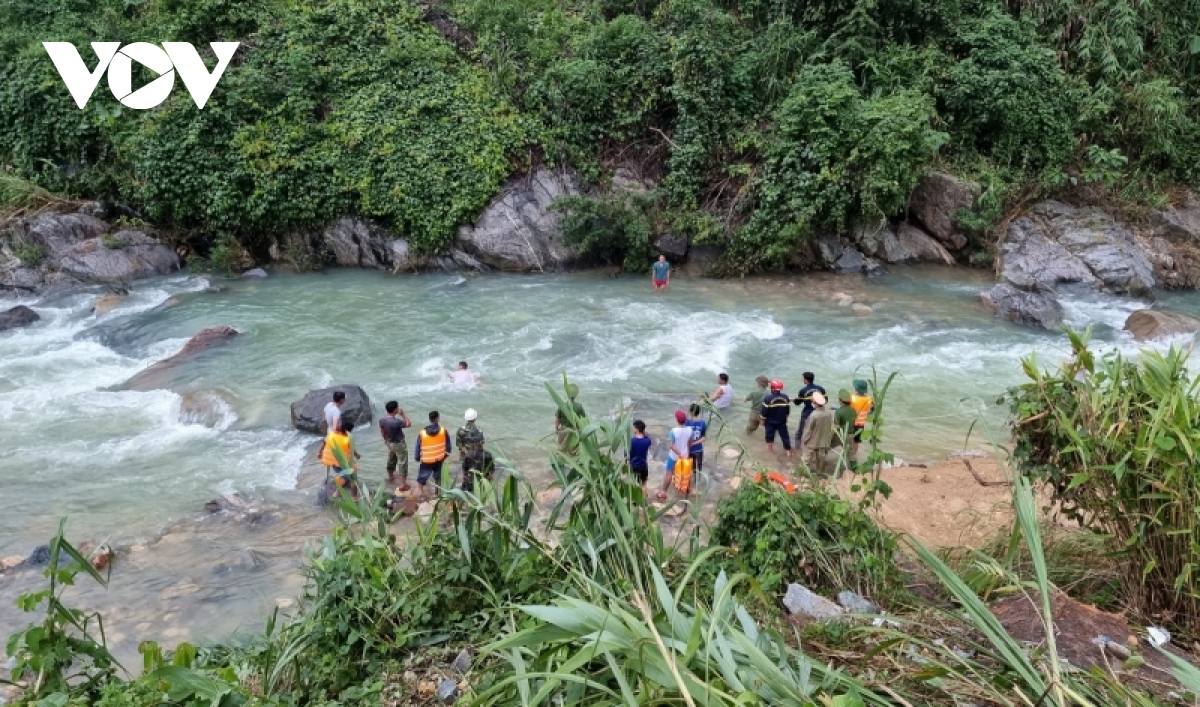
(775, 410)
(804, 398)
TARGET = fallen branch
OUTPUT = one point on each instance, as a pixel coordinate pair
(979, 478)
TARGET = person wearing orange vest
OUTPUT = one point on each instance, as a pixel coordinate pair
(863, 404)
(433, 446)
(336, 452)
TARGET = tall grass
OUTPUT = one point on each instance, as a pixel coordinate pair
(1116, 441)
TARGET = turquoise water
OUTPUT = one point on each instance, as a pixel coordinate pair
(126, 465)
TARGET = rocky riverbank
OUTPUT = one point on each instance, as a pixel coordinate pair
(1050, 249)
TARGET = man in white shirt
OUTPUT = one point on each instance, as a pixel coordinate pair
(680, 441)
(463, 378)
(722, 397)
(333, 412)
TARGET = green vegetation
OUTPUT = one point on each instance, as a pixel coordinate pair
(764, 123)
(1116, 442)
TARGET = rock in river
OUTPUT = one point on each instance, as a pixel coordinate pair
(1031, 308)
(1157, 324)
(159, 375)
(308, 413)
(18, 316)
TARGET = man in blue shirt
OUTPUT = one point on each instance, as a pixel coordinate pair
(661, 273)
(699, 430)
(804, 397)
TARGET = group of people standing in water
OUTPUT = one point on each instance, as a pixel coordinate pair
(821, 427)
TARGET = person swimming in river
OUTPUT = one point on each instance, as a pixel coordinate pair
(660, 274)
(463, 378)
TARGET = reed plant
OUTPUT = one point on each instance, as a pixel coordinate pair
(1116, 441)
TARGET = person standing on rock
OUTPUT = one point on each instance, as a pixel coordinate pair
(863, 404)
(337, 452)
(433, 446)
(817, 434)
(391, 428)
(775, 410)
(463, 378)
(755, 398)
(470, 450)
(661, 273)
(333, 411)
(804, 397)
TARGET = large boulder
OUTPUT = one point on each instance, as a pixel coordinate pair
(904, 244)
(672, 245)
(1173, 244)
(158, 376)
(354, 243)
(518, 230)
(18, 316)
(1037, 309)
(1055, 246)
(1158, 324)
(308, 413)
(79, 248)
(839, 255)
(937, 202)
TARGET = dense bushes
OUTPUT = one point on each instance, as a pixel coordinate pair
(348, 106)
(767, 121)
(1116, 443)
(814, 537)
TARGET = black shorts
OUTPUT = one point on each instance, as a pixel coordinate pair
(698, 460)
(858, 433)
(642, 474)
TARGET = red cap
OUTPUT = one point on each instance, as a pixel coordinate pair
(776, 384)
(680, 416)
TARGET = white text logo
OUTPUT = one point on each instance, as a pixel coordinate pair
(118, 60)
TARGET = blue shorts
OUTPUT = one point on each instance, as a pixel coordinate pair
(427, 470)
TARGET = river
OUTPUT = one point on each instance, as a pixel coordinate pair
(126, 466)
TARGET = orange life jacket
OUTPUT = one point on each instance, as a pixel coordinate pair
(433, 447)
(683, 474)
(862, 404)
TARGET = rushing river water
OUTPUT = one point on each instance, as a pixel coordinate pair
(126, 466)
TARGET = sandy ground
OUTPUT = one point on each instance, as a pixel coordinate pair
(943, 505)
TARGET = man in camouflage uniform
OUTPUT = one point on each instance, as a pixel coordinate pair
(475, 461)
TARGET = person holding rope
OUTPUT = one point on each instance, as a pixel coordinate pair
(775, 410)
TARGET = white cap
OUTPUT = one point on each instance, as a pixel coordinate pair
(471, 414)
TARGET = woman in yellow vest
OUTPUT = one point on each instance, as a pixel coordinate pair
(337, 453)
(862, 404)
(433, 446)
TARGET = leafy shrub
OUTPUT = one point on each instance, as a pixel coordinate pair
(612, 230)
(835, 157)
(29, 254)
(1008, 98)
(814, 537)
(1116, 443)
